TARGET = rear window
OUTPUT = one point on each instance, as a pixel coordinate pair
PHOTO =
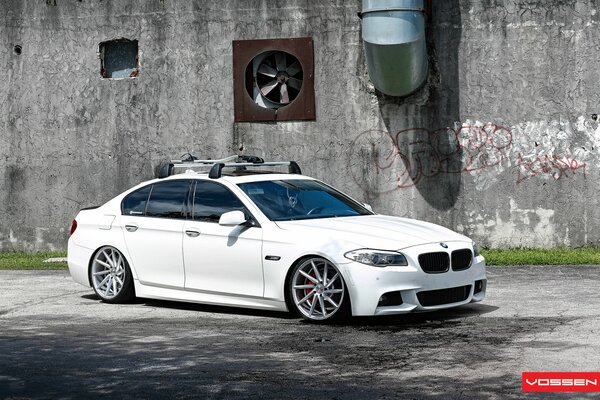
(135, 203)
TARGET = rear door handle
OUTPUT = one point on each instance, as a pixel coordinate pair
(131, 227)
(192, 232)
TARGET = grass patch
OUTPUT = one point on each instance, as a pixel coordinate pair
(33, 260)
(560, 256)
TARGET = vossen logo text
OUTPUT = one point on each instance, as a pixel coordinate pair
(560, 381)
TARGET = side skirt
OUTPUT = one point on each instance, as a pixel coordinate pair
(195, 296)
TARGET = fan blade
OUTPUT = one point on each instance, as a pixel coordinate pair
(280, 61)
(285, 98)
(294, 68)
(266, 70)
(295, 83)
(265, 90)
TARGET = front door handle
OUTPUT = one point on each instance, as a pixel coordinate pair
(192, 233)
(131, 227)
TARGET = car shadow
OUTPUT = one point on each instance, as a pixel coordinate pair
(386, 321)
(431, 319)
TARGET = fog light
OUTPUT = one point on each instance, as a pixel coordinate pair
(390, 299)
(478, 287)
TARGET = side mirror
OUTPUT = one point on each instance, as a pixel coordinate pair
(368, 207)
(232, 218)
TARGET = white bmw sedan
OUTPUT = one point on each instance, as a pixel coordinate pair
(269, 241)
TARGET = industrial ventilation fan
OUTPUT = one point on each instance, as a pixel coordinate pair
(273, 80)
(277, 79)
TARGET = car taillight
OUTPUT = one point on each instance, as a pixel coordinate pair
(73, 226)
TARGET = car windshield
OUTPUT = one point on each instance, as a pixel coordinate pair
(300, 199)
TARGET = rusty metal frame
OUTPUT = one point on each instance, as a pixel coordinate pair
(301, 108)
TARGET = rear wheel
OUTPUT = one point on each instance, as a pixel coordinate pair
(111, 277)
(318, 292)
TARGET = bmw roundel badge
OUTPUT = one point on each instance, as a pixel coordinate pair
(444, 245)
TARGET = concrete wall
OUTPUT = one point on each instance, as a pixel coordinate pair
(499, 144)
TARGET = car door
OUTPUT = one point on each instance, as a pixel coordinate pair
(221, 259)
(153, 232)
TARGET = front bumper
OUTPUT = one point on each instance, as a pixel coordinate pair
(366, 284)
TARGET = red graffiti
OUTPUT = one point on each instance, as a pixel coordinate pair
(403, 159)
(551, 165)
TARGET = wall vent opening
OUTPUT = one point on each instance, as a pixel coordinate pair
(119, 59)
(273, 80)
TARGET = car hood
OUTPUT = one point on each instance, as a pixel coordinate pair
(376, 231)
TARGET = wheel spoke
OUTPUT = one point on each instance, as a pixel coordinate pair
(306, 297)
(337, 275)
(304, 286)
(325, 273)
(114, 286)
(105, 265)
(333, 303)
(312, 306)
(107, 258)
(115, 262)
(322, 304)
(108, 285)
(307, 276)
(103, 282)
(316, 271)
(333, 291)
(119, 281)
(101, 273)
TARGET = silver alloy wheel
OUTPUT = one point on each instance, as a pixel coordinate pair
(317, 289)
(108, 272)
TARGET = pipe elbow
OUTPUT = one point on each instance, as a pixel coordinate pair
(394, 42)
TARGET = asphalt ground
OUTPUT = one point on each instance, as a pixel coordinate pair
(57, 340)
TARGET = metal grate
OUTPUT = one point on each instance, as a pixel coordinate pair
(461, 259)
(434, 263)
(431, 298)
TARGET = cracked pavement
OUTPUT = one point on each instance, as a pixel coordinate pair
(57, 340)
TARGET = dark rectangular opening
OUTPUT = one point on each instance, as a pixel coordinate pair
(119, 59)
(431, 298)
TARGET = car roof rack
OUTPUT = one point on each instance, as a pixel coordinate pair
(216, 166)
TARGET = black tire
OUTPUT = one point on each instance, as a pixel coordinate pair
(110, 276)
(317, 291)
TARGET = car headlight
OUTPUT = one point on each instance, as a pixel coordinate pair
(475, 249)
(377, 258)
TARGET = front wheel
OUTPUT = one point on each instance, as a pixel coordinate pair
(318, 292)
(111, 277)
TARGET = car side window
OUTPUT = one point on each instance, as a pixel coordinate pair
(167, 199)
(135, 203)
(211, 200)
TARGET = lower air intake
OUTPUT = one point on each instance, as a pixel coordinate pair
(430, 298)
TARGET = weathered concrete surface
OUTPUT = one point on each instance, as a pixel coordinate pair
(499, 143)
(58, 341)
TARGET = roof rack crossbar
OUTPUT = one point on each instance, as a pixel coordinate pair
(215, 171)
(223, 160)
(216, 166)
